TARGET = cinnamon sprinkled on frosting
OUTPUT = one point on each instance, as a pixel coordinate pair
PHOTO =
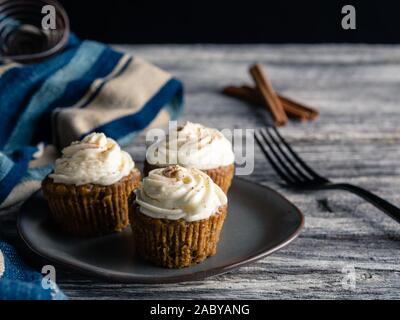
(176, 192)
(194, 146)
(95, 159)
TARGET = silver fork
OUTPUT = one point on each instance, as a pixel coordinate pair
(298, 175)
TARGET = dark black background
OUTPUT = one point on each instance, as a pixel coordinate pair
(222, 21)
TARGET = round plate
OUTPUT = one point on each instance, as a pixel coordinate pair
(259, 222)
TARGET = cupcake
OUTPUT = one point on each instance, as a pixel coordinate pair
(177, 216)
(89, 188)
(195, 146)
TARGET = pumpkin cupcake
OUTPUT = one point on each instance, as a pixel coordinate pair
(195, 146)
(177, 216)
(89, 188)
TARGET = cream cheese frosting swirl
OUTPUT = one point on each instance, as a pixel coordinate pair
(176, 192)
(193, 146)
(95, 159)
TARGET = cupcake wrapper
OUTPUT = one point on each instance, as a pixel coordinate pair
(222, 176)
(176, 243)
(90, 210)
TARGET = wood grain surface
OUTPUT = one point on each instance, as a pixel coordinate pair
(355, 139)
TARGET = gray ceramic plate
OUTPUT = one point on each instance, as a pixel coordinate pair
(259, 222)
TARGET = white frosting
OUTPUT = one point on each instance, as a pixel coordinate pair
(192, 146)
(176, 192)
(96, 159)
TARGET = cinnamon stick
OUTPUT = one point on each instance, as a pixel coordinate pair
(245, 93)
(293, 109)
(268, 95)
(296, 107)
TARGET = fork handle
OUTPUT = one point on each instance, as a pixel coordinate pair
(372, 198)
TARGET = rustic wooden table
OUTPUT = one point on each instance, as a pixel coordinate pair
(356, 139)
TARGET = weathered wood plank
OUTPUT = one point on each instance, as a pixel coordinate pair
(355, 139)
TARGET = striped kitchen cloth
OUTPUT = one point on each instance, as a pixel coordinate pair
(18, 281)
(85, 88)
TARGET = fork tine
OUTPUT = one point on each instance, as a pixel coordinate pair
(264, 149)
(278, 157)
(287, 157)
(300, 161)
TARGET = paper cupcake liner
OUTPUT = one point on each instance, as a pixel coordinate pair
(176, 243)
(222, 176)
(90, 210)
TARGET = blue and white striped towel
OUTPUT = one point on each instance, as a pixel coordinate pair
(87, 87)
(18, 281)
